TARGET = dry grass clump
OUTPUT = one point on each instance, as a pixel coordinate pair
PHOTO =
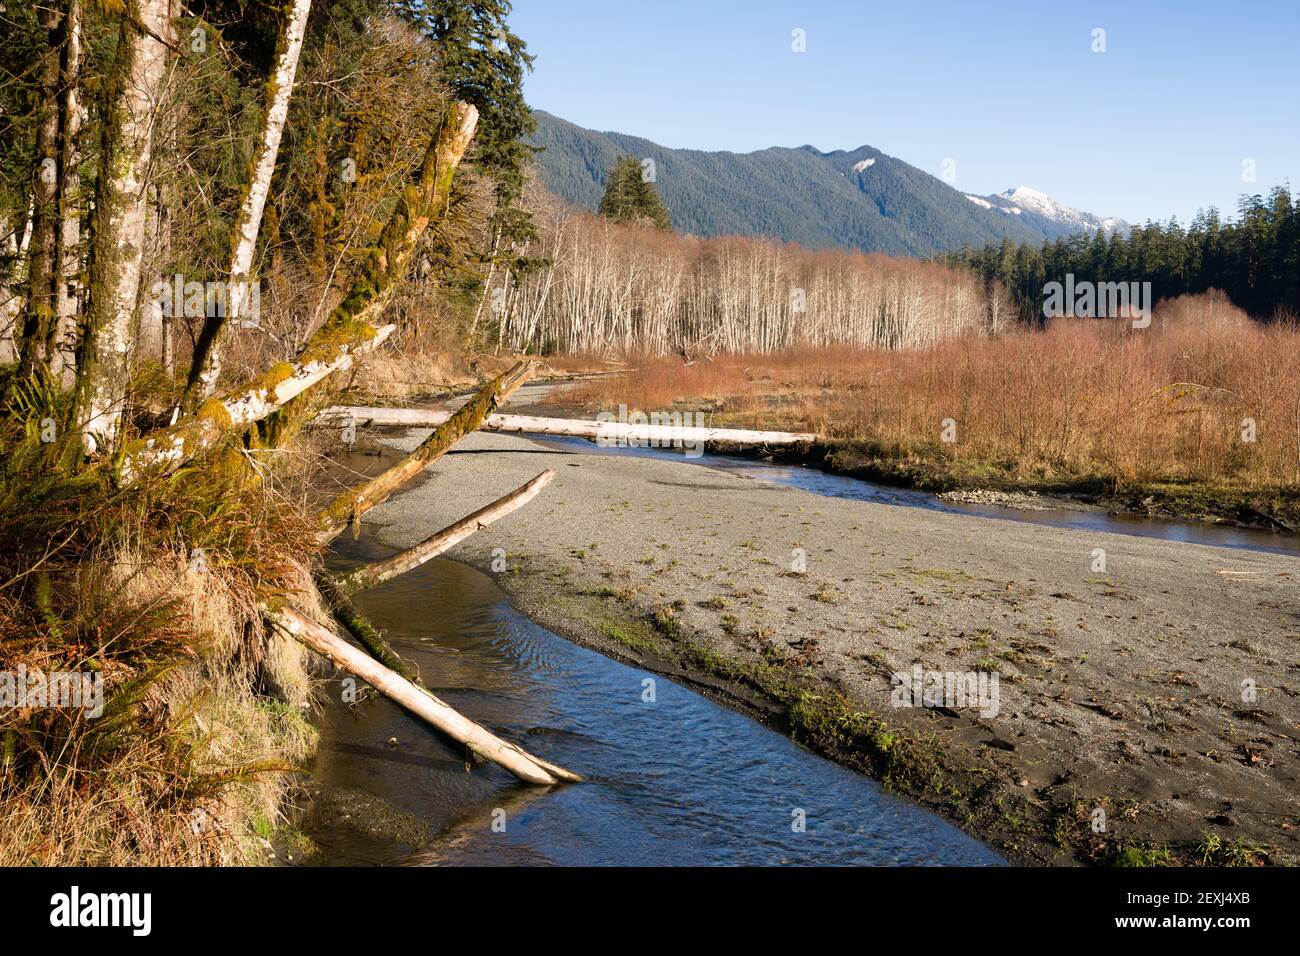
(1176, 401)
(191, 752)
(153, 591)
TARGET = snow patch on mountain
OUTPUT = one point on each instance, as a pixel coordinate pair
(865, 164)
(1051, 216)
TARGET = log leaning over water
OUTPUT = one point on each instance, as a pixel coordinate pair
(383, 653)
(336, 590)
(167, 449)
(430, 418)
(420, 702)
(434, 545)
(351, 504)
(346, 613)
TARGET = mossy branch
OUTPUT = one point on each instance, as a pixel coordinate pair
(354, 502)
(166, 449)
(359, 627)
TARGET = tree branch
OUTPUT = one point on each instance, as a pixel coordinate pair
(450, 536)
(351, 504)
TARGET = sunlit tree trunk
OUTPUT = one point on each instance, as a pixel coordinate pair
(206, 365)
(12, 286)
(118, 225)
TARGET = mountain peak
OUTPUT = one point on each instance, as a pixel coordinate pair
(855, 199)
(1053, 218)
(1028, 194)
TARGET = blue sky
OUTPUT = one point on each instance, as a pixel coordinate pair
(1157, 125)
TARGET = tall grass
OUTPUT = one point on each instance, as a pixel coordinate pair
(154, 589)
(1081, 399)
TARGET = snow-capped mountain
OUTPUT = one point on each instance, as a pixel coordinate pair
(857, 199)
(1043, 213)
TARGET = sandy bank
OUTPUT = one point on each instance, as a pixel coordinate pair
(1125, 691)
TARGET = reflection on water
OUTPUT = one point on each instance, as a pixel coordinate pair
(679, 780)
(840, 486)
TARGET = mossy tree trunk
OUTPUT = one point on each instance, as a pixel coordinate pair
(347, 331)
(385, 264)
(118, 224)
(12, 285)
(354, 502)
(62, 339)
(166, 449)
(205, 368)
(42, 281)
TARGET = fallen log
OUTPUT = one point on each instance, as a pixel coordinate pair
(335, 591)
(434, 545)
(351, 504)
(577, 428)
(420, 702)
(346, 613)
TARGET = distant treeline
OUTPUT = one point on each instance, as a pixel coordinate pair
(1255, 259)
(614, 288)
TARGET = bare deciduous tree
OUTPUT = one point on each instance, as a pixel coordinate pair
(610, 288)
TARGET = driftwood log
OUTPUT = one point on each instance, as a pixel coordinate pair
(420, 702)
(336, 590)
(377, 573)
(426, 418)
(351, 504)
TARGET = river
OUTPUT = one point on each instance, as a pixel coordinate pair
(672, 778)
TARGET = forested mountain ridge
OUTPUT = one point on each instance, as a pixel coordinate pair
(861, 198)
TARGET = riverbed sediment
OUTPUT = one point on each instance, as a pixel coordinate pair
(1159, 690)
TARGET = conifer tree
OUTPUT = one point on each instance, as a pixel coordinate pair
(631, 197)
(1255, 259)
(483, 64)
